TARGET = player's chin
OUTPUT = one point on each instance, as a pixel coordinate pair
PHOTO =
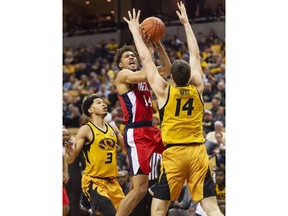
(133, 67)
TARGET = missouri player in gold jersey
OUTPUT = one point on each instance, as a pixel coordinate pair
(181, 108)
(97, 140)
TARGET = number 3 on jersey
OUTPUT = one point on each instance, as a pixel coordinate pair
(188, 106)
(109, 158)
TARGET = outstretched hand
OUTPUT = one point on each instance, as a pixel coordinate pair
(69, 149)
(133, 21)
(182, 14)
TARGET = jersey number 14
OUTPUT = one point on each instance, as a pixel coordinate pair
(188, 106)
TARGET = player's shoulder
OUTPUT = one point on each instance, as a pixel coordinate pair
(84, 129)
(125, 71)
(121, 75)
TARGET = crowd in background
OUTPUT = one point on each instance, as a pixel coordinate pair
(80, 24)
(89, 69)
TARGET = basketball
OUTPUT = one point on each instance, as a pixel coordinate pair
(154, 27)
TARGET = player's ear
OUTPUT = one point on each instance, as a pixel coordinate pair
(120, 65)
(90, 110)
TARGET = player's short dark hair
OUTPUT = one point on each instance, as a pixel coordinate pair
(120, 52)
(87, 102)
(180, 71)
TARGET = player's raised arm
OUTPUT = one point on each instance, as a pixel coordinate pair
(194, 53)
(165, 61)
(156, 82)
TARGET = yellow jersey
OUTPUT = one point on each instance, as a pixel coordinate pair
(181, 116)
(100, 153)
(221, 194)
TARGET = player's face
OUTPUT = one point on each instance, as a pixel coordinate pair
(99, 107)
(129, 61)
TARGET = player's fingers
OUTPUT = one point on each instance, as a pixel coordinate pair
(134, 13)
(126, 20)
(129, 14)
(138, 14)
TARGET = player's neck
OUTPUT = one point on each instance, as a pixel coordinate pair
(99, 122)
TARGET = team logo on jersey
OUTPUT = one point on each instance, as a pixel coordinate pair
(107, 144)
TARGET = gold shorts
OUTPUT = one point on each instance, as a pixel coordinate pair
(102, 190)
(185, 162)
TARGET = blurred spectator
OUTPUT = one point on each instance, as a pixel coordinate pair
(220, 151)
(72, 117)
(65, 102)
(202, 41)
(68, 70)
(70, 83)
(221, 75)
(221, 189)
(219, 92)
(207, 92)
(215, 104)
(84, 82)
(211, 36)
(220, 115)
(123, 179)
(103, 91)
(111, 47)
(100, 50)
(122, 161)
(96, 68)
(208, 123)
(218, 128)
(206, 71)
(94, 83)
(216, 46)
(75, 100)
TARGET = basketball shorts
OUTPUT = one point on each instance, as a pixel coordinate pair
(141, 142)
(104, 194)
(185, 162)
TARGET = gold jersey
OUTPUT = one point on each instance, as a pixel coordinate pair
(221, 194)
(182, 115)
(100, 153)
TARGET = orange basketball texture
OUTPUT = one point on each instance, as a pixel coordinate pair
(153, 26)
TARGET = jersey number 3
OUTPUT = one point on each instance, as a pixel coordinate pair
(109, 158)
(188, 106)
